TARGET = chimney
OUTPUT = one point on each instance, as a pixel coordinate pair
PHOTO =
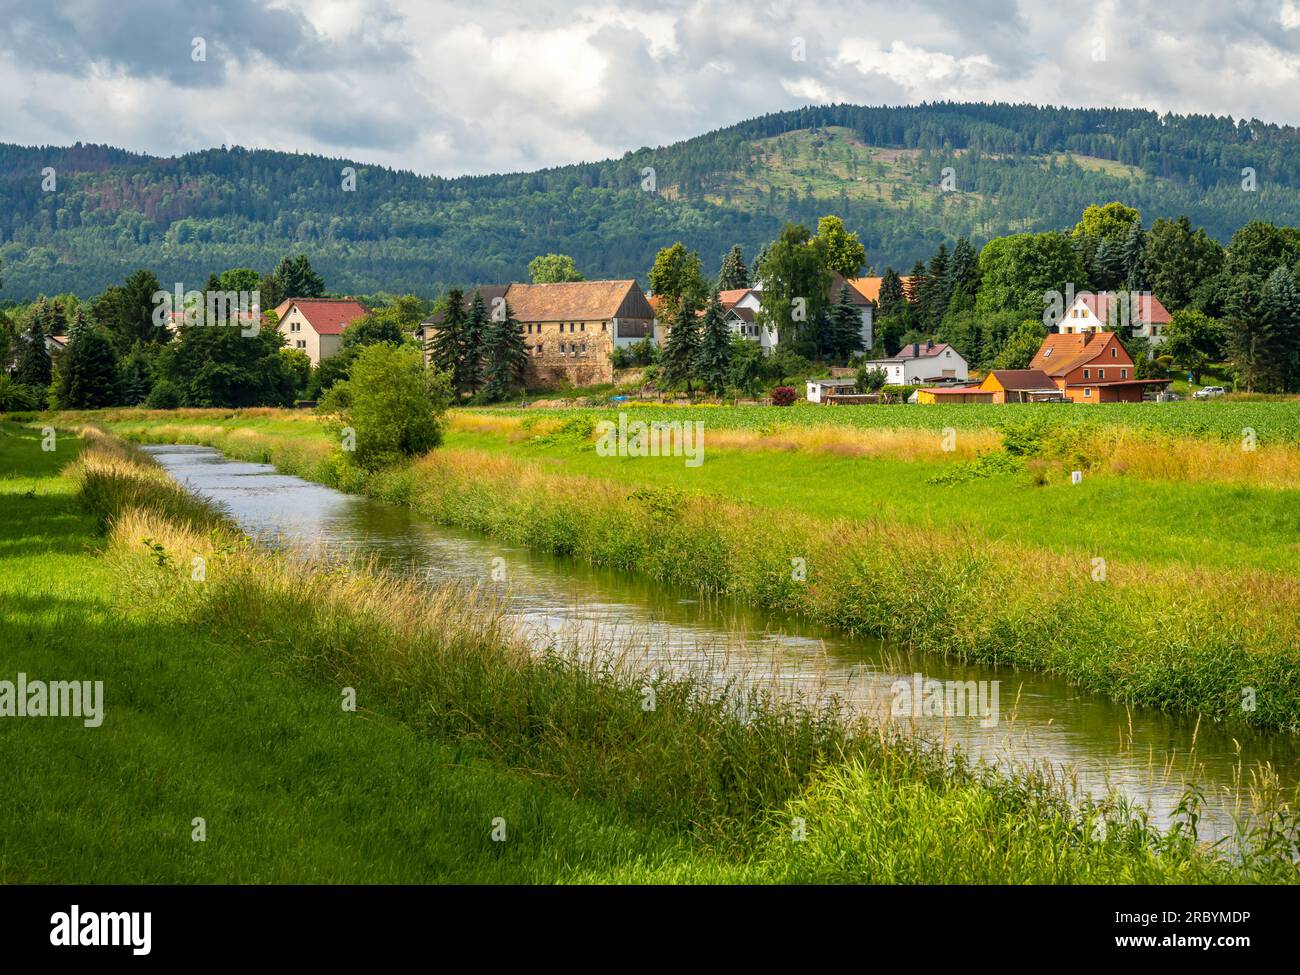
(916, 349)
(929, 344)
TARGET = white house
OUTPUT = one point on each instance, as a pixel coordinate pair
(315, 325)
(922, 363)
(1141, 312)
(742, 306)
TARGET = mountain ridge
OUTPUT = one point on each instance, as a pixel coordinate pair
(1015, 167)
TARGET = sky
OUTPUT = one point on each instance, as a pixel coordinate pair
(458, 87)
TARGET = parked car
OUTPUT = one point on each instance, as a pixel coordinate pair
(1209, 392)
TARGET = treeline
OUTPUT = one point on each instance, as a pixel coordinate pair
(123, 348)
(108, 211)
(1238, 305)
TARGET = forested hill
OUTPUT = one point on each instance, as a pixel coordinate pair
(883, 169)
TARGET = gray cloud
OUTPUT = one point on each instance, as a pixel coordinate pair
(450, 86)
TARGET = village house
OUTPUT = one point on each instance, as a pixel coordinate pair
(822, 390)
(315, 325)
(869, 287)
(741, 307)
(922, 363)
(1141, 312)
(1091, 366)
(493, 295)
(570, 328)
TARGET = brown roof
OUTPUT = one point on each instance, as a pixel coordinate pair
(328, 316)
(745, 314)
(569, 300)
(490, 293)
(1023, 380)
(917, 350)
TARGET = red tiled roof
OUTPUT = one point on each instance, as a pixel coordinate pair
(1063, 352)
(328, 316)
(869, 287)
(1147, 309)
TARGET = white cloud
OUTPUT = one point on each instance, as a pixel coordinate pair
(453, 86)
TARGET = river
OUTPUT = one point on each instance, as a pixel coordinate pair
(1093, 743)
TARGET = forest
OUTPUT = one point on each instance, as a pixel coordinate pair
(79, 219)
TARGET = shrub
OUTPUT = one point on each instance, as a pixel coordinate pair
(165, 395)
(15, 397)
(393, 404)
(784, 396)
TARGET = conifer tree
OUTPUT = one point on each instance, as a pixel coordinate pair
(448, 340)
(506, 357)
(844, 327)
(713, 356)
(681, 348)
(473, 340)
(34, 367)
(734, 272)
(88, 374)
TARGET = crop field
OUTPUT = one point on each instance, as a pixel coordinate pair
(1271, 421)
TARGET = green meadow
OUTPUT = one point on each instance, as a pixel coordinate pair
(222, 702)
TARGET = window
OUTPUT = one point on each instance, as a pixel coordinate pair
(1047, 352)
(302, 343)
(1101, 373)
(1123, 374)
(604, 326)
(1085, 374)
(1114, 352)
(1087, 392)
(584, 327)
(584, 348)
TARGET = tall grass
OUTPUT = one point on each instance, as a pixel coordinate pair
(727, 768)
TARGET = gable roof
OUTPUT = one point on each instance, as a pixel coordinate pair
(328, 316)
(916, 350)
(577, 301)
(1023, 380)
(869, 287)
(490, 293)
(1062, 353)
(1146, 310)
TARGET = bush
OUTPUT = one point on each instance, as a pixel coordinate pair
(784, 396)
(165, 395)
(15, 397)
(392, 403)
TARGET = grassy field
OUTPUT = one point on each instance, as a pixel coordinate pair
(223, 699)
(1197, 599)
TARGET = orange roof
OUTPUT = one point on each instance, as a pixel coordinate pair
(730, 298)
(1020, 380)
(869, 287)
(328, 316)
(1062, 353)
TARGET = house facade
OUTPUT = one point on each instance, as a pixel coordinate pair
(315, 325)
(1140, 312)
(570, 328)
(922, 363)
(1091, 366)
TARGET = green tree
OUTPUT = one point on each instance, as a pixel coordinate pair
(34, 368)
(841, 252)
(218, 365)
(372, 329)
(1193, 340)
(734, 273)
(1179, 261)
(295, 278)
(1017, 273)
(393, 405)
(553, 268)
(932, 296)
(844, 327)
(447, 344)
(713, 354)
(678, 280)
(506, 359)
(473, 340)
(795, 283)
(1022, 346)
(892, 297)
(88, 370)
(963, 277)
(682, 349)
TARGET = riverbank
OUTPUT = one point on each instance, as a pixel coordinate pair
(1205, 636)
(223, 694)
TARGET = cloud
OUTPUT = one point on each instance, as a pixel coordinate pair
(451, 87)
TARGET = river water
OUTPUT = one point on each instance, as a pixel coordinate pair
(1092, 743)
